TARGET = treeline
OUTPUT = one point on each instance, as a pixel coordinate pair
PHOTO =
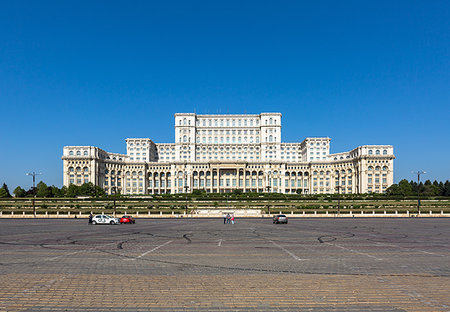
(404, 188)
(410, 188)
(42, 190)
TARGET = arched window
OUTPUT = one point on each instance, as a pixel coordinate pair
(85, 153)
(270, 121)
(385, 152)
(377, 152)
(78, 153)
(370, 168)
(71, 153)
(270, 138)
(184, 138)
(385, 168)
(370, 152)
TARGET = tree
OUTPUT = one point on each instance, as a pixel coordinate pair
(63, 191)
(447, 188)
(42, 190)
(19, 192)
(72, 191)
(405, 188)
(5, 187)
(394, 189)
(3, 193)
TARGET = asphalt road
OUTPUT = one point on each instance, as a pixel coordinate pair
(204, 265)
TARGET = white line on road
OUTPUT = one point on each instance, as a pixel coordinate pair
(152, 250)
(409, 248)
(355, 251)
(288, 252)
(220, 243)
(79, 251)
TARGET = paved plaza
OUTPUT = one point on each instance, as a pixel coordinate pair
(204, 265)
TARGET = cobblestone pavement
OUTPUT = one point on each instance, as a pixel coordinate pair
(205, 265)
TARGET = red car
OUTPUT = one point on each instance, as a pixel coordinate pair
(127, 219)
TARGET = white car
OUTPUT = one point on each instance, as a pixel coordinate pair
(104, 219)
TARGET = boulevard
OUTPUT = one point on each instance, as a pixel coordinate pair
(204, 265)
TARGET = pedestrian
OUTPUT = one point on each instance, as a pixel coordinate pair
(90, 218)
(224, 218)
(228, 218)
(232, 219)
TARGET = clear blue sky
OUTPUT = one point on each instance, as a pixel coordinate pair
(97, 72)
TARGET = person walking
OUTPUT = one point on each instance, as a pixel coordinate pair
(232, 219)
(90, 218)
(224, 218)
(228, 218)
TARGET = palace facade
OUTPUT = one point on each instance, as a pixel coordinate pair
(222, 153)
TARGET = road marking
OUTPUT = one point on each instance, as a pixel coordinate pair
(152, 250)
(220, 243)
(355, 251)
(79, 251)
(288, 252)
(409, 248)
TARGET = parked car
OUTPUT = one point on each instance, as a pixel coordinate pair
(127, 219)
(104, 219)
(280, 219)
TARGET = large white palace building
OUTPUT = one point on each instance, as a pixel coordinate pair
(222, 153)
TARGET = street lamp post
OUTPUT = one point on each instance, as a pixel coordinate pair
(418, 191)
(34, 174)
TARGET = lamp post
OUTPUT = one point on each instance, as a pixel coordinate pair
(418, 192)
(34, 174)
